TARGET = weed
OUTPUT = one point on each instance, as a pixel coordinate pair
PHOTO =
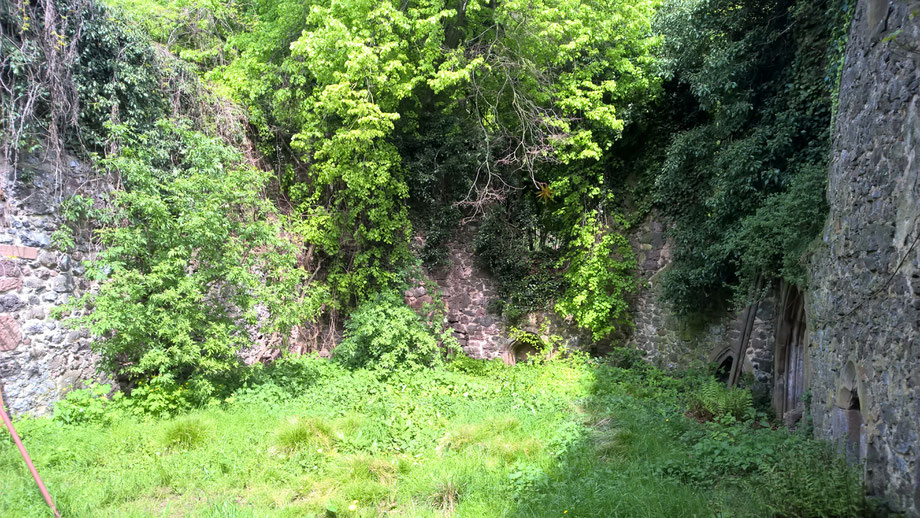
(298, 433)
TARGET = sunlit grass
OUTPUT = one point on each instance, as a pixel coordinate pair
(533, 440)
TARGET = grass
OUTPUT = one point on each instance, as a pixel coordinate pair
(566, 438)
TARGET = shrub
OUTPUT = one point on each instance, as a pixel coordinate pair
(599, 273)
(193, 247)
(385, 333)
(810, 479)
(477, 367)
(161, 396)
(625, 357)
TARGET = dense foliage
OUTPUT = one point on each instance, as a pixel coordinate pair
(191, 249)
(745, 184)
(384, 333)
(348, 89)
(380, 120)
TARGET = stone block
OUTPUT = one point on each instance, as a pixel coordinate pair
(23, 252)
(10, 337)
(10, 303)
(9, 268)
(10, 284)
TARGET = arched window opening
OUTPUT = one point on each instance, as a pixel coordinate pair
(724, 370)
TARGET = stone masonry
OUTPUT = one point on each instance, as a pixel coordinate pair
(467, 289)
(673, 342)
(40, 360)
(863, 306)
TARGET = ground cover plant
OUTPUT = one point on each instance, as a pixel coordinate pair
(308, 437)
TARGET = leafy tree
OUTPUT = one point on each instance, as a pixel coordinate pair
(536, 90)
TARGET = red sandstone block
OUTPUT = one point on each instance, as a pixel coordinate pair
(9, 333)
(24, 252)
(10, 284)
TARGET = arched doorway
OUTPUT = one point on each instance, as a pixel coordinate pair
(522, 349)
(724, 369)
(724, 361)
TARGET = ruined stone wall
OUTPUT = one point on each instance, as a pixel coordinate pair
(40, 360)
(863, 304)
(466, 290)
(674, 342)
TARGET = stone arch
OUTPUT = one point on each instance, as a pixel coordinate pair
(848, 419)
(724, 360)
(521, 349)
(847, 391)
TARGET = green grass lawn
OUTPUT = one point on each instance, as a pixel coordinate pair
(567, 438)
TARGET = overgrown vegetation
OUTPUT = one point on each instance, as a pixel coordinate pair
(192, 249)
(745, 184)
(378, 120)
(308, 437)
(274, 160)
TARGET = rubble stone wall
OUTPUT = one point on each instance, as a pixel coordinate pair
(863, 305)
(40, 359)
(672, 341)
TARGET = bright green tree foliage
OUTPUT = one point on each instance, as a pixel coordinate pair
(341, 83)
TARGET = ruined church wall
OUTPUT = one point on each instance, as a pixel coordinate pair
(863, 302)
(40, 359)
(467, 290)
(673, 341)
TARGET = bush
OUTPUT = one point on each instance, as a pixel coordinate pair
(194, 246)
(811, 479)
(86, 406)
(384, 333)
(477, 367)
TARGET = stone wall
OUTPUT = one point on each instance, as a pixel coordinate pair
(40, 360)
(674, 342)
(466, 290)
(863, 307)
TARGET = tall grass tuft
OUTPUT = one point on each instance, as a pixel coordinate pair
(186, 432)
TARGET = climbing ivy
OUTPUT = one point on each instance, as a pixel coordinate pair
(744, 186)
